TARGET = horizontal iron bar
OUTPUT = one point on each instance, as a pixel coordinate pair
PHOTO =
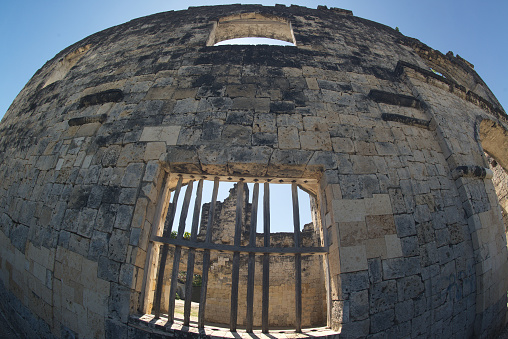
(244, 249)
(235, 179)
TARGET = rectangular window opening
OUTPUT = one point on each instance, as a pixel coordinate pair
(211, 270)
(252, 29)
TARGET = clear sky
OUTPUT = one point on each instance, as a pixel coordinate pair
(33, 31)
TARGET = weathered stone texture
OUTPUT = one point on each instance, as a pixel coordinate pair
(417, 243)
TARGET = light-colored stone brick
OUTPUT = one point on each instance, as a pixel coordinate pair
(379, 204)
(376, 248)
(245, 90)
(154, 150)
(160, 93)
(288, 138)
(315, 141)
(393, 246)
(346, 210)
(380, 225)
(352, 233)
(353, 258)
(343, 145)
(167, 134)
(312, 83)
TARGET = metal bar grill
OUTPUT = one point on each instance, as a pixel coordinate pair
(236, 258)
(206, 256)
(298, 259)
(252, 261)
(266, 259)
(192, 255)
(252, 249)
(242, 249)
(178, 253)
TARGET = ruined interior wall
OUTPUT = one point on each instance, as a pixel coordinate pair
(223, 228)
(282, 291)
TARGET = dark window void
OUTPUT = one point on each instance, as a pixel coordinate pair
(65, 64)
(252, 25)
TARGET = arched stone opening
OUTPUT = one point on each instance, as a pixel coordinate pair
(494, 141)
(224, 256)
(251, 25)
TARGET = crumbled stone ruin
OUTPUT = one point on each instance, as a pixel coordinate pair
(401, 148)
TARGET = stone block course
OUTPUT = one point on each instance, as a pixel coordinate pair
(288, 138)
(311, 140)
(353, 258)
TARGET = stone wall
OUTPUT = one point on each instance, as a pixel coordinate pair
(282, 291)
(90, 147)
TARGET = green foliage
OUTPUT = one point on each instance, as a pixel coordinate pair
(397, 29)
(177, 297)
(182, 277)
(186, 235)
(196, 281)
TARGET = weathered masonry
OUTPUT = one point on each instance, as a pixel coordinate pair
(402, 150)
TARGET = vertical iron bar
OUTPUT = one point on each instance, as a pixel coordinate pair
(266, 258)
(185, 210)
(298, 258)
(192, 255)
(204, 282)
(164, 252)
(296, 214)
(206, 256)
(178, 253)
(252, 260)
(298, 292)
(236, 258)
(173, 285)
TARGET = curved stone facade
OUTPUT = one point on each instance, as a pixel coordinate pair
(393, 131)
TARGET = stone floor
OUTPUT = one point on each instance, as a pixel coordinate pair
(219, 331)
